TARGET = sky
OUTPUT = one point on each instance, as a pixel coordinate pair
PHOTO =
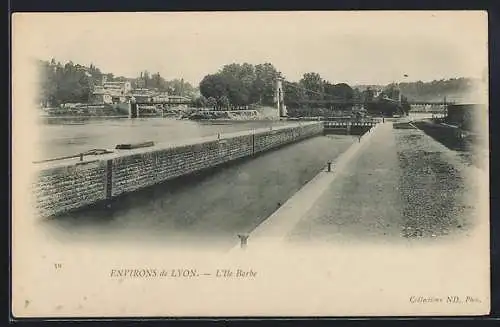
(369, 47)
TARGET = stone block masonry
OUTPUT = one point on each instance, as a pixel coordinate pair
(64, 186)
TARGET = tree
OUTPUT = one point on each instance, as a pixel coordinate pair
(368, 95)
(391, 91)
(48, 83)
(146, 78)
(294, 94)
(313, 83)
(157, 82)
(201, 102)
(237, 93)
(212, 102)
(405, 106)
(356, 94)
(243, 84)
(181, 88)
(213, 86)
(223, 102)
(329, 89)
(247, 75)
(436, 90)
(68, 83)
(342, 91)
(239, 81)
(264, 84)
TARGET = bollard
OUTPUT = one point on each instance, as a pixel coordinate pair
(243, 240)
(81, 156)
(329, 166)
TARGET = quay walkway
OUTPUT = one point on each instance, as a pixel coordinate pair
(403, 185)
(275, 228)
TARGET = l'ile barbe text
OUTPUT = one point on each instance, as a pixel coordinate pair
(182, 273)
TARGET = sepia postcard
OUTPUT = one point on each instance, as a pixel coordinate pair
(250, 164)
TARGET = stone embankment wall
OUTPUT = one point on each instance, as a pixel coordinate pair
(66, 186)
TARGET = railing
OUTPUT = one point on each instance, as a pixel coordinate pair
(81, 155)
(344, 124)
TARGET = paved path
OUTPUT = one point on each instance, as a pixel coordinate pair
(402, 186)
(364, 200)
(275, 228)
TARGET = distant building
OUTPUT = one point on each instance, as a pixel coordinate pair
(178, 99)
(143, 95)
(165, 97)
(122, 92)
(111, 92)
(160, 97)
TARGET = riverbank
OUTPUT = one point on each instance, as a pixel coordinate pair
(404, 186)
(468, 145)
(61, 137)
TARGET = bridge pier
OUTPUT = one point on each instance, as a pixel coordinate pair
(280, 99)
(133, 110)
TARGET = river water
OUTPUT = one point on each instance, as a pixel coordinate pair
(63, 137)
(207, 208)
